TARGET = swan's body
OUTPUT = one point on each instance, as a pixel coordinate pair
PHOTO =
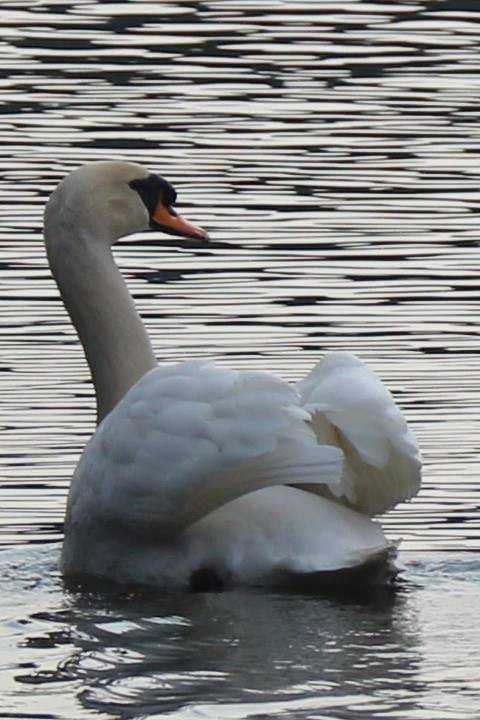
(196, 468)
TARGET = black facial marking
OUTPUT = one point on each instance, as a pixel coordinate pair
(152, 189)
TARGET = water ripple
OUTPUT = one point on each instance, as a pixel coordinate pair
(334, 149)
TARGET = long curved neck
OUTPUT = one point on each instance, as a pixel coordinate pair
(97, 299)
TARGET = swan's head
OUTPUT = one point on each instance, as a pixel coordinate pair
(109, 200)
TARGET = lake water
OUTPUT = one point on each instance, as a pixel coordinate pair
(332, 150)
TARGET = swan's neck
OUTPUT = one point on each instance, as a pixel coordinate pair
(97, 299)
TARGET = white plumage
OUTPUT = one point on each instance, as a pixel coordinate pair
(351, 408)
(189, 438)
(195, 467)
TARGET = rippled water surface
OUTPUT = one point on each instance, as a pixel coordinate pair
(332, 151)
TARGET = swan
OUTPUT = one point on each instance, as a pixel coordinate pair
(198, 475)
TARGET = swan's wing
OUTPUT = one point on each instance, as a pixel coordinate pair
(352, 409)
(187, 439)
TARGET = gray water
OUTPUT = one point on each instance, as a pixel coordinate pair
(332, 151)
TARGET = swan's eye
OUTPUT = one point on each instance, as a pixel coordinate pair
(154, 189)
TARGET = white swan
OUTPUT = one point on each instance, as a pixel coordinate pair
(196, 473)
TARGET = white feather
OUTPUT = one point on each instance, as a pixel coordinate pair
(258, 538)
(352, 409)
(190, 438)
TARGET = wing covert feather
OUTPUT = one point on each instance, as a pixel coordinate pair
(188, 438)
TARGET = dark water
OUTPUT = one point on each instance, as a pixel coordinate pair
(332, 150)
(241, 654)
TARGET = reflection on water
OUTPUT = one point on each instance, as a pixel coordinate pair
(243, 654)
(332, 151)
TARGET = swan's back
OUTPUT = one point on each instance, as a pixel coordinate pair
(185, 440)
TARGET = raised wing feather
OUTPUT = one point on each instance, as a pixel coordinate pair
(187, 439)
(352, 409)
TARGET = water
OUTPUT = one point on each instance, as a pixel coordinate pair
(333, 153)
(241, 654)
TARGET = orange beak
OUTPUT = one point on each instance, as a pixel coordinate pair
(174, 224)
